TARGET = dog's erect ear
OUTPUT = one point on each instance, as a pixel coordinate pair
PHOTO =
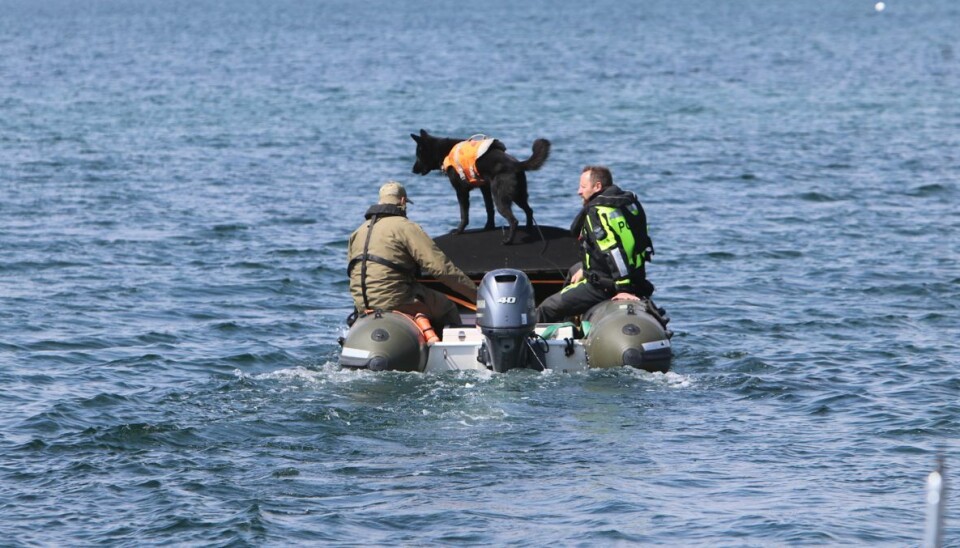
(415, 138)
(423, 133)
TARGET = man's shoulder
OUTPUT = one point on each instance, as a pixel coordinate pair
(357, 230)
(405, 226)
(397, 220)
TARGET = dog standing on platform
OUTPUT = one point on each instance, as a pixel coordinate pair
(483, 163)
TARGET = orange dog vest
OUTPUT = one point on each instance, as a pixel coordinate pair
(464, 155)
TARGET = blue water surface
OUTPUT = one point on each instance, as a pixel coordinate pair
(178, 180)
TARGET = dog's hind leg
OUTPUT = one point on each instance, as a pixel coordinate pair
(503, 206)
(521, 198)
(488, 204)
(527, 210)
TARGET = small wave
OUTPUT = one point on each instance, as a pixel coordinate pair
(908, 450)
(904, 289)
(817, 197)
(75, 345)
(249, 358)
(836, 402)
(154, 337)
(782, 254)
(228, 228)
(292, 252)
(45, 265)
(690, 110)
(287, 472)
(925, 191)
(228, 327)
(250, 265)
(141, 434)
(52, 164)
(11, 347)
(297, 221)
(103, 400)
(722, 255)
(35, 444)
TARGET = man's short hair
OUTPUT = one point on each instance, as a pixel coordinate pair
(599, 174)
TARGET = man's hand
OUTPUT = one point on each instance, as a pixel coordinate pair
(577, 276)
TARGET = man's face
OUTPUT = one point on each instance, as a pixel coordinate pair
(587, 187)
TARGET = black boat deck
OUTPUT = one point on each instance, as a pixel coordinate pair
(544, 253)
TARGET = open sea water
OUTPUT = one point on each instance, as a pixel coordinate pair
(178, 180)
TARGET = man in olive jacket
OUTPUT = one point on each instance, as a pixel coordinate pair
(385, 254)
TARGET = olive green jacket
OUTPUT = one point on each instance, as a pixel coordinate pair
(402, 242)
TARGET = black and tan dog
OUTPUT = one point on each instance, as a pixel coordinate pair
(480, 162)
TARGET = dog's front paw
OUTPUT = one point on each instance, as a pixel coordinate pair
(489, 226)
(458, 230)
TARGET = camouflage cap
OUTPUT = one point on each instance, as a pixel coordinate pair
(391, 192)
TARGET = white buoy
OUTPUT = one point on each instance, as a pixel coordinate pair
(880, 6)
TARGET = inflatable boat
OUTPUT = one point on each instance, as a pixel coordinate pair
(501, 333)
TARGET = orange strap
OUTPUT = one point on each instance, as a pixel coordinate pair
(466, 304)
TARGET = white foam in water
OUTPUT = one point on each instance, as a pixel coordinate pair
(293, 373)
(880, 6)
(668, 379)
(324, 373)
(676, 380)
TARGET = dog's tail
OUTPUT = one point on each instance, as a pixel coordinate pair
(541, 151)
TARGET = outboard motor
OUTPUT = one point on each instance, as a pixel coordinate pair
(506, 316)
